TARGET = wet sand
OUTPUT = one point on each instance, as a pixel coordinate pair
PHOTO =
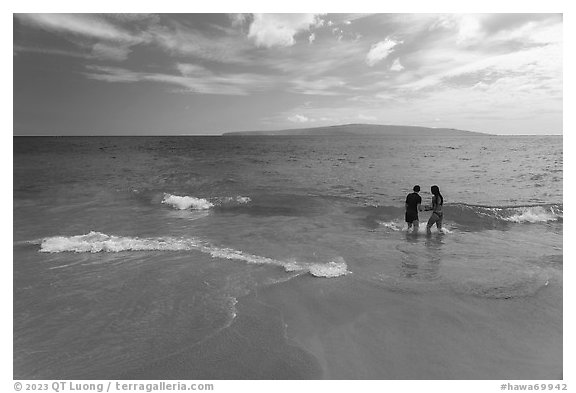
(344, 329)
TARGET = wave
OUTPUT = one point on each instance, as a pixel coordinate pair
(186, 202)
(474, 215)
(471, 217)
(95, 242)
(535, 214)
(193, 203)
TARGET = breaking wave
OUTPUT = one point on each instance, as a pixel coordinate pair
(535, 214)
(193, 203)
(95, 242)
(186, 202)
(476, 217)
(471, 215)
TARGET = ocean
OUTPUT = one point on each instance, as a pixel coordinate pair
(283, 257)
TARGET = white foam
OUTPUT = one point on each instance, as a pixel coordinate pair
(242, 200)
(99, 242)
(533, 215)
(95, 242)
(397, 226)
(187, 202)
(329, 270)
(394, 225)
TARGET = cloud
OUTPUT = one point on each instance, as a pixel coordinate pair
(465, 27)
(468, 28)
(110, 52)
(396, 66)
(180, 40)
(543, 62)
(298, 119)
(238, 20)
(50, 51)
(318, 61)
(269, 30)
(95, 36)
(380, 51)
(192, 69)
(311, 38)
(364, 117)
(328, 86)
(86, 25)
(113, 74)
(193, 79)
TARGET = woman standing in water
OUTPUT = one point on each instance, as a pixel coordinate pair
(436, 217)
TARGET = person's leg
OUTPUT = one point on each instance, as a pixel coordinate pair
(439, 224)
(416, 224)
(431, 222)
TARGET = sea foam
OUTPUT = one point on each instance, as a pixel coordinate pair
(237, 200)
(187, 202)
(99, 242)
(95, 242)
(193, 203)
(533, 215)
(399, 227)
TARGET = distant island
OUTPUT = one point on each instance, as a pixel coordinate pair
(364, 129)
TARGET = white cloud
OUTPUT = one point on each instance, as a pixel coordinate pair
(396, 66)
(298, 119)
(468, 28)
(319, 22)
(269, 30)
(380, 51)
(543, 63)
(533, 32)
(194, 79)
(110, 52)
(112, 74)
(50, 51)
(239, 19)
(364, 117)
(182, 41)
(311, 38)
(86, 25)
(191, 69)
(326, 86)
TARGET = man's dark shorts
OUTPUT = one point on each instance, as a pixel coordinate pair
(411, 216)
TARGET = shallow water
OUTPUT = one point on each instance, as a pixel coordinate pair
(132, 255)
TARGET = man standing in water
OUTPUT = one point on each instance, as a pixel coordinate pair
(413, 202)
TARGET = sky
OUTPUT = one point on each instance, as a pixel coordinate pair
(206, 74)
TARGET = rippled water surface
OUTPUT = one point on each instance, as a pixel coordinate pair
(132, 251)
